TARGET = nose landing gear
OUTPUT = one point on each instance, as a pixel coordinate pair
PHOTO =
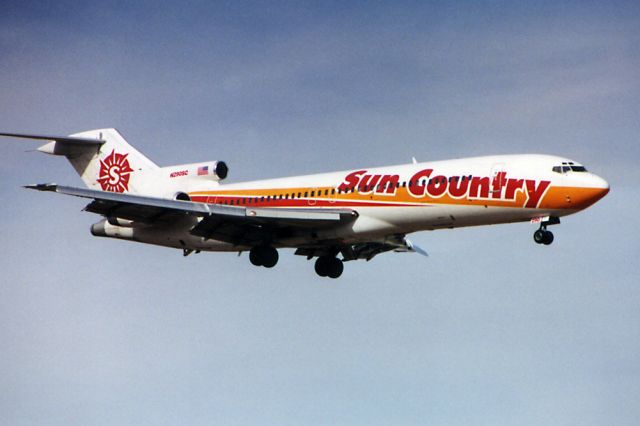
(542, 236)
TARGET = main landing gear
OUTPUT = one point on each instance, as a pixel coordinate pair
(329, 266)
(264, 255)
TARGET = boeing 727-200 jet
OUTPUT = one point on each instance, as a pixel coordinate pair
(334, 217)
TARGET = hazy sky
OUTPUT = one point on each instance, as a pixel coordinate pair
(491, 329)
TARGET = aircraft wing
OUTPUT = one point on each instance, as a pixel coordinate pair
(233, 224)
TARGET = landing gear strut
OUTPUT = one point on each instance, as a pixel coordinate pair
(329, 266)
(265, 256)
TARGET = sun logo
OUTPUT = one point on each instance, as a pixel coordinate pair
(115, 173)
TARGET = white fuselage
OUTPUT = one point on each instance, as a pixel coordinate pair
(393, 200)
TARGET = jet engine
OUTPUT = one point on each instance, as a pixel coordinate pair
(210, 170)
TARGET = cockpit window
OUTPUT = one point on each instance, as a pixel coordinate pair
(568, 166)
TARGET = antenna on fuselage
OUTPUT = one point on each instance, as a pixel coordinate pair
(413, 159)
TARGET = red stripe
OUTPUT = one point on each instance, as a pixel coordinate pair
(299, 202)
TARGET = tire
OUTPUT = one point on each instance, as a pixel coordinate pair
(335, 268)
(322, 266)
(269, 256)
(539, 236)
(254, 256)
(548, 238)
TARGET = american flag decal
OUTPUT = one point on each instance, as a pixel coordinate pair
(203, 170)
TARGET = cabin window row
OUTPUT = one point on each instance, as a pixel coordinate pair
(333, 191)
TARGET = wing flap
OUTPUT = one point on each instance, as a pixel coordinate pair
(365, 250)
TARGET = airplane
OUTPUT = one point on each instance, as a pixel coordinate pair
(333, 217)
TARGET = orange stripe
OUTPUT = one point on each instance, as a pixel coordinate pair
(554, 198)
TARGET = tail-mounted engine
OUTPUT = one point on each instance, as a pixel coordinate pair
(210, 170)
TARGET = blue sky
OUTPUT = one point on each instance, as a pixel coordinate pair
(491, 329)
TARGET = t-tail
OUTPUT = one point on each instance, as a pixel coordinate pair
(103, 159)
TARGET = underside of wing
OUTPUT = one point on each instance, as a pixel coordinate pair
(268, 224)
(365, 250)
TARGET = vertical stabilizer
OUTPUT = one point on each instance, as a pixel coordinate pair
(115, 166)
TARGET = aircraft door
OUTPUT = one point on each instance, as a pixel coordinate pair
(498, 179)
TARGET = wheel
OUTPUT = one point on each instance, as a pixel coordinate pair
(335, 268)
(265, 256)
(548, 238)
(322, 265)
(254, 256)
(269, 256)
(538, 236)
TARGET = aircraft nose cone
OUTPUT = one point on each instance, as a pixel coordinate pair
(602, 188)
(601, 183)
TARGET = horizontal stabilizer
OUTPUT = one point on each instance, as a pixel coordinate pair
(70, 146)
(65, 139)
